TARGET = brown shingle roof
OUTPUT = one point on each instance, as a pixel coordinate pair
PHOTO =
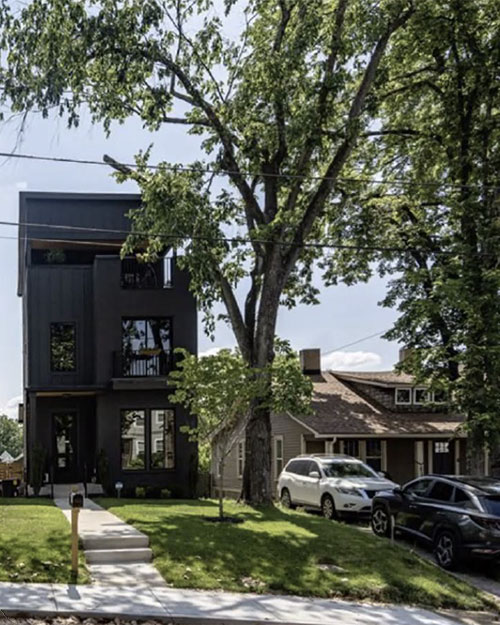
(338, 409)
(380, 377)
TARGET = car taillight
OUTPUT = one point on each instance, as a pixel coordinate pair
(487, 524)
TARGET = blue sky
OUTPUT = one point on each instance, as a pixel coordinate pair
(345, 314)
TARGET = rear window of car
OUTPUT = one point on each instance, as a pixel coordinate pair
(491, 505)
(441, 491)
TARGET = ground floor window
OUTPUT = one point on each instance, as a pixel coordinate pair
(351, 447)
(147, 439)
(241, 458)
(278, 455)
(374, 453)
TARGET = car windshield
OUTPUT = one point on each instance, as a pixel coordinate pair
(491, 505)
(347, 469)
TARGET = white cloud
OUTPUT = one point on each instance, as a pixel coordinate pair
(11, 407)
(350, 361)
(212, 351)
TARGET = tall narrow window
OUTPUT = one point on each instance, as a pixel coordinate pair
(62, 347)
(351, 447)
(146, 347)
(278, 455)
(133, 439)
(241, 458)
(162, 439)
(374, 453)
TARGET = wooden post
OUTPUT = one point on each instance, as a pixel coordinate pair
(74, 539)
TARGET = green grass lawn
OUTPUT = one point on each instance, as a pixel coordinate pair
(35, 543)
(281, 551)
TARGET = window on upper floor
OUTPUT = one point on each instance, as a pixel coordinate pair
(421, 396)
(146, 275)
(403, 396)
(62, 347)
(146, 347)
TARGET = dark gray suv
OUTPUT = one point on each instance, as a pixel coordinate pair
(458, 516)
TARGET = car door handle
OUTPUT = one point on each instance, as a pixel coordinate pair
(412, 506)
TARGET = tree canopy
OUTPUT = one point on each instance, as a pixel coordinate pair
(11, 436)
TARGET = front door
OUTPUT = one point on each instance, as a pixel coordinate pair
(64, 424)
(442, 461)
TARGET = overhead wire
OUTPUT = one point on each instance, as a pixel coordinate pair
(228, 172)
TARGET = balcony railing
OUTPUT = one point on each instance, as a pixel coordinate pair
(136, 275)
(142, 364)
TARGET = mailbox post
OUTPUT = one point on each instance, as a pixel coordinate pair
(76, 501)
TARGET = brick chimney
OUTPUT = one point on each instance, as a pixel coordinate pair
(310, 361)
(404, 352)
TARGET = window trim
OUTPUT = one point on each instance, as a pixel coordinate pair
(148, 443)
(240, 458)
(73, 324)
(159, 469)
(402, 388)
(428, 395)
(278, 438)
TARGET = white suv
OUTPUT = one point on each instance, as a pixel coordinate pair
(336, 484)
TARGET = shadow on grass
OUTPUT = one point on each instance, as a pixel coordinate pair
(279, 551)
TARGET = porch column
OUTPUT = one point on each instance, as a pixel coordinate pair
(430, 456)
(383, 462)
(419, 458)
(457, 456)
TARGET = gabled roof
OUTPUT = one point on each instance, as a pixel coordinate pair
(338, 409)
(383, 378)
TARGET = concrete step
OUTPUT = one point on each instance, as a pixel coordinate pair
(115, 556)
(104, 542)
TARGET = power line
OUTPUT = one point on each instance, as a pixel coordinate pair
(365, 338)
(237, 240)
(228, 172)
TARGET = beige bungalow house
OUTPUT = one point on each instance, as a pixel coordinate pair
(381, 417)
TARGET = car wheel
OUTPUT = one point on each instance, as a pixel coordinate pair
(446, 550)
(328, 507)
(381, 521)
(286, 500)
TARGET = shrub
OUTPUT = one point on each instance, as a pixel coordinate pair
(140, 492)
(165, 493)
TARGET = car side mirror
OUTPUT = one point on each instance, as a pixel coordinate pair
(381, 474)
(398, 491)
(314, 474)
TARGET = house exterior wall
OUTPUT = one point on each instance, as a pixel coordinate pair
(90, 296)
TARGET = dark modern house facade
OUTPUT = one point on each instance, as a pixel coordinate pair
(98, 340)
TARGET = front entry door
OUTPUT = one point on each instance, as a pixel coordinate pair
(442, 458)
(65, 447)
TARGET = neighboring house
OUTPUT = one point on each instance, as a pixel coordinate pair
(381, 417)
(99, 335)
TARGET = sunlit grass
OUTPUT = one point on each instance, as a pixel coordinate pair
(281, 551)
(35, 543)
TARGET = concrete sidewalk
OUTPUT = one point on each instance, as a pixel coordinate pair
(197, 607)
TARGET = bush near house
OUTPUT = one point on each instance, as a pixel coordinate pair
(279, 551)
(35, 543)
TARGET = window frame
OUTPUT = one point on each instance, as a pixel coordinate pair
(450, 500)
(403, 388)
(150, 422)
(428, 395)
(74, 370)
(148, 440)
(240, 458)
(278, 438)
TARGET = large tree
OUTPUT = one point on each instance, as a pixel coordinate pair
(281, 104)
(438, 142)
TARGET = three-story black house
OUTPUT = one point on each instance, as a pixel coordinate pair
(98, 340)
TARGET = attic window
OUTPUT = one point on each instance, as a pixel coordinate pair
(403, 396)
(421, 396)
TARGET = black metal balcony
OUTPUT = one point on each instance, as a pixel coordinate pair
(145, 363)
(136, 275)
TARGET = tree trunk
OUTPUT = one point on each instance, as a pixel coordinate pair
(257, 474)
(475, 459)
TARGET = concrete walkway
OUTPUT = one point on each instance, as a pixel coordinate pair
(200, 608)
(116, 553)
